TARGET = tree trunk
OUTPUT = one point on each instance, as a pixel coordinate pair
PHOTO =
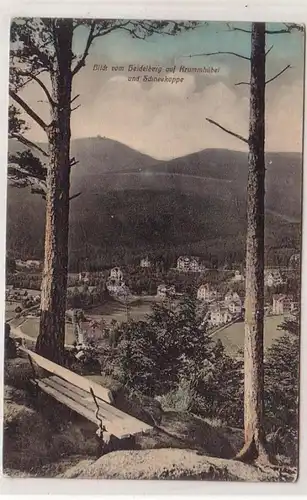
(51, 339)
(254, 447)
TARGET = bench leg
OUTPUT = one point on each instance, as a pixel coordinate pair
(104, 442)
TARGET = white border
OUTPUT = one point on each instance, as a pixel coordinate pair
(223, 10)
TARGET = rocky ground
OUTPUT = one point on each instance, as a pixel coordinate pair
(44, 439)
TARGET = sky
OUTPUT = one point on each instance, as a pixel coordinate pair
(168, 120)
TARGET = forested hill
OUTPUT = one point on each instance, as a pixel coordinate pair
(132, 203)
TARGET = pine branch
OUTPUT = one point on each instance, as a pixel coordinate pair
(234, 134)
(218, 53)
(28, 110)
(278, 74)
(40, 83)
(74, 98)
(270, 80)
(27, 142)
(269, 50)
(89, 41)
(73, 162)
(75, 196)
(234, 28)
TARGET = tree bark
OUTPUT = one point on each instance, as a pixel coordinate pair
(51, 339)
(254, 447)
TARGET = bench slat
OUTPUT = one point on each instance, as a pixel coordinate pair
(113, 414)
(116, 422)
(88, 399)
(119, 429)
(73, 378)
(89, 415)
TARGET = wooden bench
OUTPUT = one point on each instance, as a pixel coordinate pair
(85, 397)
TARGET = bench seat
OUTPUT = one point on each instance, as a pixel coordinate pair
(115, 421)
(76, 392)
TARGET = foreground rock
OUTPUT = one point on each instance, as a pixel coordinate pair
(172, 464)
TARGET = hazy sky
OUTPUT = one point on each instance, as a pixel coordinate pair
(169, 120)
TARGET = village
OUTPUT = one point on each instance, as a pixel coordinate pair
(220, 301)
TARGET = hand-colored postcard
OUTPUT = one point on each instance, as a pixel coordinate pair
(152, 324)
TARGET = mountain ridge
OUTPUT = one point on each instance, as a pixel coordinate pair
(132, 203)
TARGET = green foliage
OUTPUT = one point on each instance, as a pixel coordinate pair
(179, 399)
(171, 356)
(282, 378)
(136, 356)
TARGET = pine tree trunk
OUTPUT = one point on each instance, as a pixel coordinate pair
(254, 301)
(51, 339)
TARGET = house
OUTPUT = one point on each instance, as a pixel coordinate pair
(21, 263)
(232, 297)
(35, 264)
(116, 274)
(282, 304)
(84, 277)
(118, 288)
(238, 277)
(189, 264)
(219, 316)
(165, 290)
(145, 262)
(206, 294)
(295, 261)
(235, 307)
(272, 278)
(294, 307)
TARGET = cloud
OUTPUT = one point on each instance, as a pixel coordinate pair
(169, 120)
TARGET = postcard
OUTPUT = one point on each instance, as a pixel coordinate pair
(153, 265)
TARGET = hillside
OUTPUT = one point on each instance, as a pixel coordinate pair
(132, 203)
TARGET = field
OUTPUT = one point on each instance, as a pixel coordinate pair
(31, 326)
(10, 310)
(117, 311)
(233, 336)
(109, 311)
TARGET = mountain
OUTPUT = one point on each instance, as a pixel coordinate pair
(132, 203)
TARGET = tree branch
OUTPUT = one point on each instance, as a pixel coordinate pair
(75, 196)
(40, 83)
(73, 162)
(89, 41)
(228, 131)
(74, 98)
(269, 50)
(218, 53)
(234, 28)
(288, 29)
(28, 143)
(242, 83)
(91, 37)
(28, 110)
(271, 79)
(278, 74)
(76, 107)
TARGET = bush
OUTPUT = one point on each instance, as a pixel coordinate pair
(182, 398)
